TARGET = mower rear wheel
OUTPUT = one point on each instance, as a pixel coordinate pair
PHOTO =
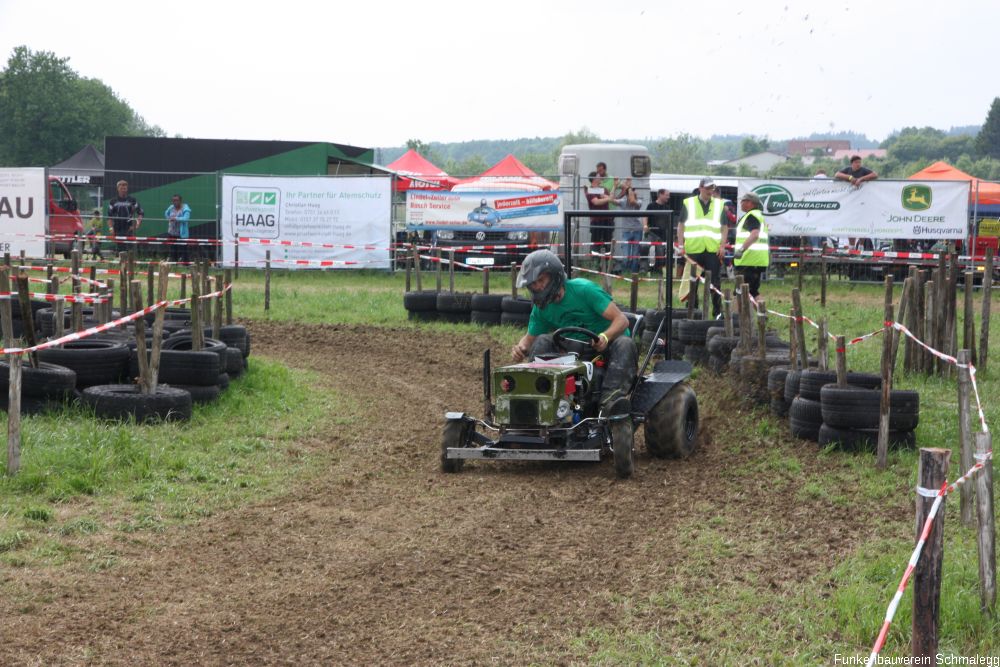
(454, 436)
(621, 444)
(672, 424)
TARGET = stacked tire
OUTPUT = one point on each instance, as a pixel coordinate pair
(421, 305)
(486, 309)
(515, 311)
(454, 306)
(44, 388)
(851, 417)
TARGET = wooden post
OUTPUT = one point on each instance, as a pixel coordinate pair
(438, 269)
(800, 333)
(49, 272)
(986, 537)
(76, 308)
(236, 255)
(904, 299)
(761, 329)
(911, 317)
(154, 357)
(984, 324)
(27, 319)
(6, 313)
(103, 316)
(822, 276)
(727, 311)
(966, 444)
(267, 283)
(416, 267)
(409, 268)
(111, 297)
(53, 282)
(633, 297)
(802, 262)
(184, 281)
(824, 355)
(149, 283)
(706, 297)
(59, 311)
(217, 311)
(969, 317)
(14, 415)
(206, 306)
(745, 319)
(931, 475)
(841, 350)
(228, 280)
(197, 326)
(486, 280)
(692, 290)
(951, 334)
(513, 280)
(144, 381)
(793, 346)
(882, 450)
(124, 278)
(930, 310)
(451, 271)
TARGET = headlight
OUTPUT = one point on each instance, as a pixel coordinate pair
(445, 234)
(562, 411)
(517, 236)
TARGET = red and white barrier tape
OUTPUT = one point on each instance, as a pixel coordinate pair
(602, 273)
(68, 298)
(79, 335)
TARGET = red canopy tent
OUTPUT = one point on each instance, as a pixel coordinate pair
(989, 193)
(507, 174)
(417, 172)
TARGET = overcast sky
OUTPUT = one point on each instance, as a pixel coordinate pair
(376, 73)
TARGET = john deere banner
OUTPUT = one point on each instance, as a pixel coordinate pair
(877, 209)
(22, 211)
(348, 211)
(537, 211)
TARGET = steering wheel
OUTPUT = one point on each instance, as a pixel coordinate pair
(563, 341)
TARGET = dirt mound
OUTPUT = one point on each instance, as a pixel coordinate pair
(384, 560)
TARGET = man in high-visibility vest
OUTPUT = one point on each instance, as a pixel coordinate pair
(701, 232)
(750, 251)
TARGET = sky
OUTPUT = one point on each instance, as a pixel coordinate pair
(377, 73)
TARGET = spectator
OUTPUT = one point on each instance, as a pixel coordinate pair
(631, 228)
(601, 229)
(729, 215)
(855, 174)
(751, 252)
(701, 232)
(178, 214)
(124, 214)
(608, 183)
(656, 228)
(820, 175)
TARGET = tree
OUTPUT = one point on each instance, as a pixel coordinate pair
(48, 112)
(752, 146)
(988, 139)
(682, 155)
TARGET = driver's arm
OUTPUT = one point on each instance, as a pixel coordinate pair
(522, 347)
(619, 323)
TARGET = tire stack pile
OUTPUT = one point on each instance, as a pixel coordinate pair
(804, 412)
(454, 306)
(514, 311)
(486, 309)
(421, 305)
(720, 347)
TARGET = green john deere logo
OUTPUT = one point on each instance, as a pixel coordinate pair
(917, 197)
(777, 200)
(255, 198)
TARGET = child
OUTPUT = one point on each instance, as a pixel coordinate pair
(95, 228)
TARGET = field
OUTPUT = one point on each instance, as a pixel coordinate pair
(303, 518)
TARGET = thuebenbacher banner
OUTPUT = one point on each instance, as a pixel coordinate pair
(877, 209)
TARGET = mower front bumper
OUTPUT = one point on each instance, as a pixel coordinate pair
(498, 453)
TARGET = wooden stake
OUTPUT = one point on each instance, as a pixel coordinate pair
(111, 296)
(692, 290)
(149, 283)
(929, 329)
(800, 334)
(822, 276)
(197, 325)
(793, 346)
(986, 536)
(123, 276)
(633, 298)
(841, 351)
(451, 271)
(984, 323)
(76, 308)
(882, 451)
(59, 311)
(14, 415)
(217, 311)
(904, 299)
(706, 296)
(727, 312)
(802, 263)
(821, 339)
(154, 357)
(513, 280)
(931, 475)
(438, 269)
(911, 317)
(416, 268)
(27, 319)
(486, 280)
(966, 444)
(267, 281)
(228, 280)
(144, 380)
(761, 329)
(236, 255)
(6, 313)
(409, 269)
(969, 317)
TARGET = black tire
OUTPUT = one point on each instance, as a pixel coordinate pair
(722, 346)
(812, 381)
(694, 331)
(420, 301)
(519, 305)
(719, 331)
(46, 381)
(455, 302)
(31, 405)
(776, 381)
(182, 367)
(863, 439)
(234, 362)
(422, 315)
(696, 354)
(454, 436)
(96, 362)
(454, 318)
(233, 335)
(223, 381)
(805, 418)
(671, 427)
(201, 394)
(653, 318)
(485, 316)
(487, 303)
(716, 364)
(858, 408)
(622, 447)
(124, 402)
(514, 319)
(184, 342)
(792, 385)
(779, 408)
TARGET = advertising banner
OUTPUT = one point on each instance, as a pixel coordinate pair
(877, 209)
(538, 211)
(22, 211)
(349, 211)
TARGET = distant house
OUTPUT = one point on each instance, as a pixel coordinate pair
(806, 147)
(865, 153)
(759, 162)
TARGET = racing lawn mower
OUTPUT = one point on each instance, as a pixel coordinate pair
(548, 408)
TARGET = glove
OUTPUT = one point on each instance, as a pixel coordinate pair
(738, 253)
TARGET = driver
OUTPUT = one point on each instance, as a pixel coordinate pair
(558, 302)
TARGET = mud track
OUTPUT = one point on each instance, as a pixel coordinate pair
(385, 560)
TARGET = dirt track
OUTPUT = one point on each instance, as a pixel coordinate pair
(384, 560)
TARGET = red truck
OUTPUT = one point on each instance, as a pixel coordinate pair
(64, 218)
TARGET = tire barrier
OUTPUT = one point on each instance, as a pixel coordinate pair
(125, 402)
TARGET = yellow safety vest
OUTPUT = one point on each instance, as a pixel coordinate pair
(757, 253)
(702, 232)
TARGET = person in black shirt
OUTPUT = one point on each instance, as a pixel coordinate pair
(855, 174)
(125, 214)
(656, 228)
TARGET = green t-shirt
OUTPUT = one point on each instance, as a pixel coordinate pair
(582, 305)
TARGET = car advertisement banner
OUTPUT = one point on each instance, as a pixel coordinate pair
(350, 213)
(538, 211)
(22, 211)
(876, 209)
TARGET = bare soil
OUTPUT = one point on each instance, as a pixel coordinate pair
(382, 559)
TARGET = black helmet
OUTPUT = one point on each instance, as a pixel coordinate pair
(534, 265)
(482, 202)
